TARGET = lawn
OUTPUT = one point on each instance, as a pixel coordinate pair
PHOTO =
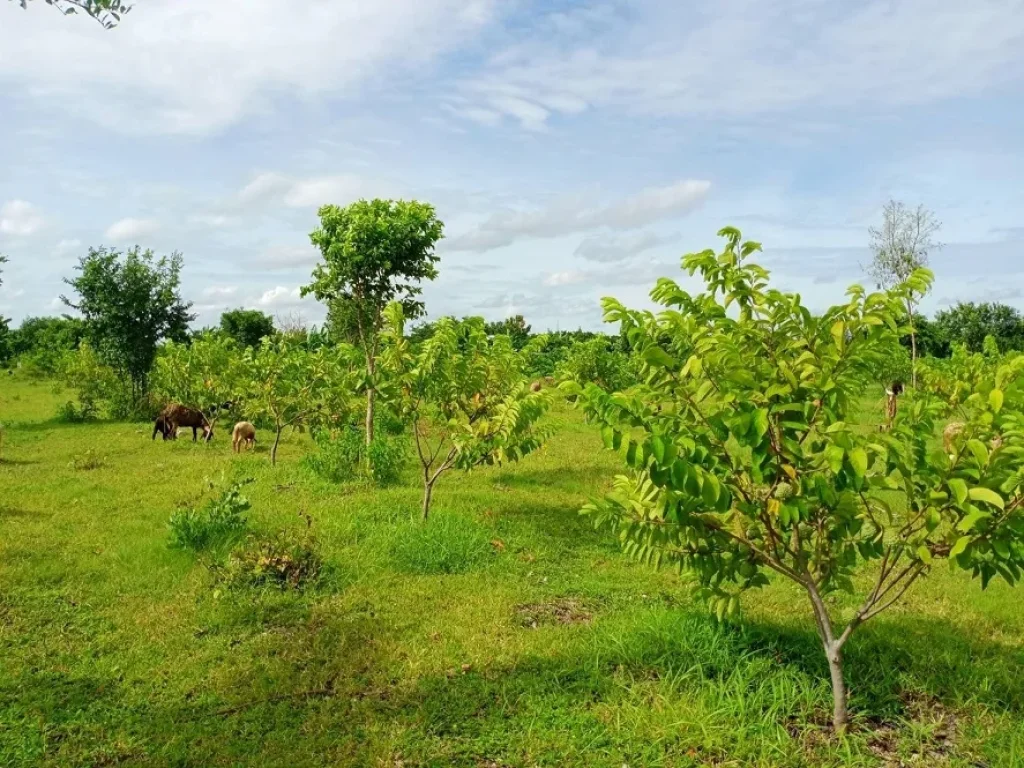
(504, 633)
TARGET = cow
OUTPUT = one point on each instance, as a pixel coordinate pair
(176, 415)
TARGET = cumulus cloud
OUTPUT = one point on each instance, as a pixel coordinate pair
(129, 229)
(231, 57)
(280, 297)
(577, 214)
(220, 291)
(20, 218)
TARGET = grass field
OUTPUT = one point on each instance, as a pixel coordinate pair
(504, 633)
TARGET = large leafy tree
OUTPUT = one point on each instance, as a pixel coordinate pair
(107, 12)
(130, 303)
(899, 247)
(42, 342)
(968, 323)
(742, 461)
(247, 326)
(515, 327)
(464, 395)
(373, 252)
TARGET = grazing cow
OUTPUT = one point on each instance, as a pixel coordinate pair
(176, 415)
(243, 435)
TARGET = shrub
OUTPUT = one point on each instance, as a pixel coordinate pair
(288, 560)
(72, 414)
(450, 544)
(217, 524)
(345, 456)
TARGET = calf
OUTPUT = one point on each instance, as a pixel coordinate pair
(243, 435)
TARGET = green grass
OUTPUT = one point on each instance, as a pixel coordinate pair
(116, 649)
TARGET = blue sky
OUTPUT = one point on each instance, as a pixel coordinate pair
(573, 149)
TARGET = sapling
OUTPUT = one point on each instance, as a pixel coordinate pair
(742, 460)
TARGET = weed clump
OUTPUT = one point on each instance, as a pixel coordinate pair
(287, 560)
(88, 460)
(448, 544)
(218, 524)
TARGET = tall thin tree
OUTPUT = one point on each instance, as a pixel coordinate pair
(899, 246)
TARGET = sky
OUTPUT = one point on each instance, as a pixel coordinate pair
(574, 150)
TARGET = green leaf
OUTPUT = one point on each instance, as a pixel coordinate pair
(979, 450)
(658, 448)
(608, 436)
(924, 554)
(959, 489)
(970, 521)
(960, 546)
(859, 461)
(631, 453)
(988, 496)
(995, 399)
(834, 456)
(659, 358)
(710, 490)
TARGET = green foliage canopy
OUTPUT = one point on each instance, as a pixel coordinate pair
(741, 459)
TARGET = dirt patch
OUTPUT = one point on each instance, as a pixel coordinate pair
(561, 611)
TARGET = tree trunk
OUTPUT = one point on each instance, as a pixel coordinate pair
(277, 441)
(840, 713)
(371, 397)
(834, 656)
(913, 346)
(428, 490)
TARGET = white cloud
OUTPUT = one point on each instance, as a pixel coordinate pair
(746, 57)
(568, 277)
(311, 192)
(68, 246)
(211, 220)
(20, 218)
(129, 229)
(280, 297)
(230, 57)
(288, 256)
(220, 291)
(611, 248)
(576, 214)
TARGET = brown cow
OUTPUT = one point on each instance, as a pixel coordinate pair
(176, 415)
(244, 434)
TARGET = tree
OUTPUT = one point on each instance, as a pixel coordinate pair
(107, 12)
(374, 252)
(289, 384)
(901, 246)
(42, 342)
(130, 303)
(514, 327)
(464, 395)
(247, 326)
(592, 360)
(206, 374)
(968, 323)
(741, 461)
(3, 260)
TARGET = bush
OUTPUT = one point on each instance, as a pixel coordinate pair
(342, 457)
(450, 544)
(72, 414)
(216, 525)
(288, 560)
(594, 362)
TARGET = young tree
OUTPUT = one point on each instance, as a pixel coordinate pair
(899, 247)
(206, 375)
(107, 12)
(464, 395)
(130, 303)
(288, 384)
(247, 326)
(741, 460)
(374, 252)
